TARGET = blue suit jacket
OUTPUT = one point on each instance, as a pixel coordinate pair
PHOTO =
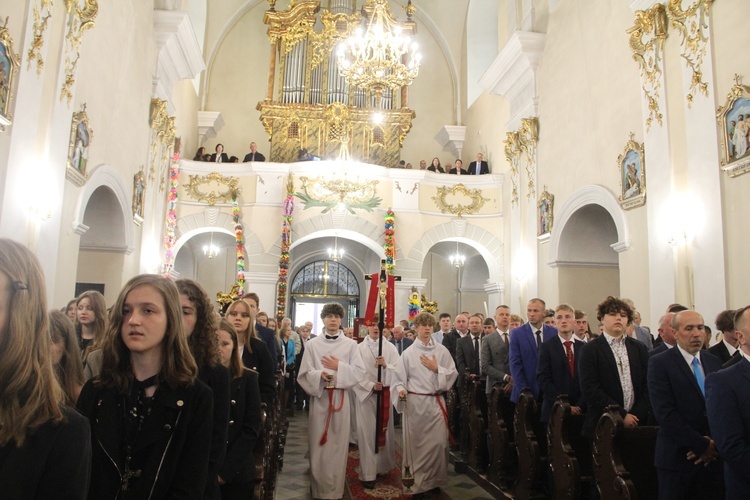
(679, 407)
(728, 404)
(523, 357)
(406, 341)
(553, 375)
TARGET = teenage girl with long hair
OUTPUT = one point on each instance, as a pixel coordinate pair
(253, 351)
(237, 473)
(151, 419)
(45, 446)
(91, 321)
(200, 327)
(66, 356)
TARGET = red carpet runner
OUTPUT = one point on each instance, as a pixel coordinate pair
(388, 486)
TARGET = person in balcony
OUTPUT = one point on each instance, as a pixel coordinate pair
(220, 156)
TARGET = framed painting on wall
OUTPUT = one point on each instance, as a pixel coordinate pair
(8, 69)
(734, 130)
(545, 216)
(632, 167)
(78, 148)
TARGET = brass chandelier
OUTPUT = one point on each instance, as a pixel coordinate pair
(381, 57)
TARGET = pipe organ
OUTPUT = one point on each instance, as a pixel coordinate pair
(309, 103)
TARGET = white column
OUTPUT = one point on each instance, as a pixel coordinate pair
(264, 284)
(495, 296)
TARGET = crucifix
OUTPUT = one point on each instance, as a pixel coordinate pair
(382, 293)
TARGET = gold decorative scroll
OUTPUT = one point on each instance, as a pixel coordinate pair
(459, 191)
(647, 43)
(162, 140)
(692, 24)
(80, 19)
(522, 145)
(336, 28)
(42, 15)
(230, 186)
(328, 194)
(293, 24)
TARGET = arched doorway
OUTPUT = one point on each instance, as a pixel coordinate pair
(319, 282)
(455, 288)
(588, 265)
(210, 259)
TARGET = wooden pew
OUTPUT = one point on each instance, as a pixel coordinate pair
(569, 452)
(261, 457)
(623, 459)
(530, 467)
(477, 424)
(452, 406)
(499, 438)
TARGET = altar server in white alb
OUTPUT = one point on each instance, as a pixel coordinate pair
(331, 365)
(425, 372)
(366, 403)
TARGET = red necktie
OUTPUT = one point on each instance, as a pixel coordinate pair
(571, 361)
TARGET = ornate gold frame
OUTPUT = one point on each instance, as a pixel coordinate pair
(545, 218)
(319, 192)
(196, 181)
(80, 19)
(737, 166)
(475, 195)
(80, 131)
(522, 142)
(6, 81)
(637, 198)
(139, 196)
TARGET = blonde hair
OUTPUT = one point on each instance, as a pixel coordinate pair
(69, 370)
(178, 367)
(249, 332)
(30, 395)
(99, 306)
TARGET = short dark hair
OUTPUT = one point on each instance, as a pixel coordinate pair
(537, 299)
(613, 305)
(675, 308)
(445, 315)
(725, 320)
(426, 319)
(489, 321)
(332, 308)
(252, 296)
(738, 317)
(579, 314)
(549, 313)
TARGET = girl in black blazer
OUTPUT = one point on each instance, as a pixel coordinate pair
(254, 353)
(151, 419)
(237, 473)
(200, 327)
(45, 446)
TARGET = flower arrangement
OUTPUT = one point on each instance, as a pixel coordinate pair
(390, 242)
(286, 242)
(239, 236)
(169, 238)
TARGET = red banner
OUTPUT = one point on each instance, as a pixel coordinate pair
(390, 311)
(372, 299)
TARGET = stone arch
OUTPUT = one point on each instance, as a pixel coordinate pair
(108, 177)
(484, 242)
(420, 16)
(198, 223)
(589, 195)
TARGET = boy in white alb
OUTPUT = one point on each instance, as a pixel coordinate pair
(331, 365)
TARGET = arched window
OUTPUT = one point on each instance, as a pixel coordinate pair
(325, 278)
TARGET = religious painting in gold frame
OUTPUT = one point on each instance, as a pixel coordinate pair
(8, 69)
(81, 135)
(545, 212)
(632, 167)
(734, 130)
(139, 196)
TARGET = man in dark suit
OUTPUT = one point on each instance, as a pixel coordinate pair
(728, 345)
(458, 169)
(641, 334)
(666, 334)
(265, 334)
(685, 457)
(219, 156)
(253, 155)
(460, 329)
(494, 362)
(728, 405)
(613, 368)
(556, 372)
(468, 354)
(524, 349)
(483, 167)
(399, 340)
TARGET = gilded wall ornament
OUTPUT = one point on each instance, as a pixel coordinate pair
(545, 212)
(162, 141)
(734, 127)
(8, 69)
(345, 193)
(692, 24)
(519, 145)
(200, 188)
(139, 196)
(42, 15)
(632, 167)
(647, 44)
(452, 200)
(80, 19)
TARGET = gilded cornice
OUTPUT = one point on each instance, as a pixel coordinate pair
(292, 24)
(228, 187)
(647, 44)
(459, 193)
(692, 24)
(42, 15)
(522, 144)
